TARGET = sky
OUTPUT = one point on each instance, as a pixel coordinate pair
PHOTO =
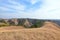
(38, 9)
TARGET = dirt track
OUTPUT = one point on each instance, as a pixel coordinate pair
(49, 31)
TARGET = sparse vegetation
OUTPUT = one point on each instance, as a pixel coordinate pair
(3, 24)
(48, 32)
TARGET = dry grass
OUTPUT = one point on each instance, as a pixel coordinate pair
(51, 25)
(11, 27)
(48, 32)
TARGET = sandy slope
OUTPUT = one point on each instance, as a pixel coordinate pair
(48, 32)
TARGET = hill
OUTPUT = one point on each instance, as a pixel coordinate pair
(27, 23)
(50, 31)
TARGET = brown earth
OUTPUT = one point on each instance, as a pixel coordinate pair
(50, 31)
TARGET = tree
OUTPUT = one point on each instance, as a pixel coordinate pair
(38, 23)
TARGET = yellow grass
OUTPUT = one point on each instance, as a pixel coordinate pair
(47, 32)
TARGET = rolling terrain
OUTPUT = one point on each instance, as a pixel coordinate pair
(49, 31)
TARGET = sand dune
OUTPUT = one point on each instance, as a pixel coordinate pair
(50, 31)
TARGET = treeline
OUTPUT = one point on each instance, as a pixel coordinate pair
(27, 23)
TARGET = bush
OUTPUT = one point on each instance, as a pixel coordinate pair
(38, 24)
(3, 24)
(2, 21)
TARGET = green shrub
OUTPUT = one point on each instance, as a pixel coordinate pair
(3, 24)
(38, 24)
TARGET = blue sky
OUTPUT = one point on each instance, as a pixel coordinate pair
(38, 9)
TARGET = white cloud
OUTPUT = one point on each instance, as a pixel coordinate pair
(49, 10)
(2, 8)
(34, 1)
(16, 5)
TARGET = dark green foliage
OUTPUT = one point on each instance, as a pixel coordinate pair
(2, 21)
(20, 22)
(11, 22)
(32, 23)
(38, 23)
(3, 24)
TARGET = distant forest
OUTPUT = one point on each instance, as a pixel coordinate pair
(27, 23)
